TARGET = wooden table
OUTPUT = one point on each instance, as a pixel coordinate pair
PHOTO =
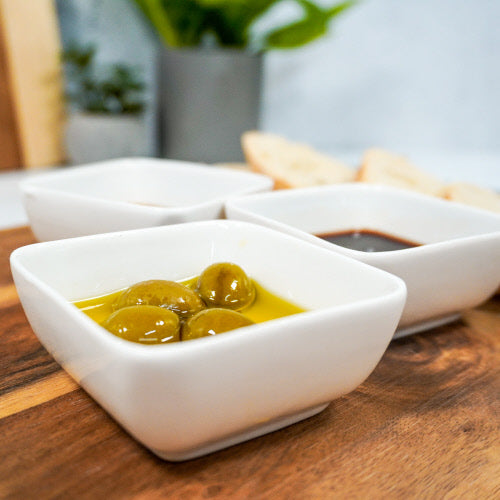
(424, 425)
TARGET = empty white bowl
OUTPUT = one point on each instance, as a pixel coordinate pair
(455, 268)
(190, 398)
(130, 193)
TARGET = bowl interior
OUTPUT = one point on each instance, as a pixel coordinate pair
(349, 207)
(309, 276)
(148, 181)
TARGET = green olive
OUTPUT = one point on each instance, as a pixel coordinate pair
(213, 321)
(144, 324)
(225, 285)
(168, 294)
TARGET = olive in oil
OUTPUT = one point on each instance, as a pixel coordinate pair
(266, 305)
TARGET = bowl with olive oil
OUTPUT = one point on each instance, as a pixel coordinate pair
(199, 336)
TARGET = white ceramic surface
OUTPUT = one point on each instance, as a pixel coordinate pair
(457, 266)
(130, 193)
(187, 399)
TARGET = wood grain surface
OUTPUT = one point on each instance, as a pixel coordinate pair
(426, 425)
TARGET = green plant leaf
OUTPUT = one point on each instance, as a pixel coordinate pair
(226, 33)
(177, 22)
(296, 34)
(186, 22)
(80, 57)
(117, 90)
(311, 9)
(241, 14)
(341, 7)
(156, 16)
(211, 4)
(312, 26)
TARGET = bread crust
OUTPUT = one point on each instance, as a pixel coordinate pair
(380, 166)
(291, 164)
(470, 194)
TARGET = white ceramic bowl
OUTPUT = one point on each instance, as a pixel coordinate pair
(130, 193)
(457, 266)
(187, 399)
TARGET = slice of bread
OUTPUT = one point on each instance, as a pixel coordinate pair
(473, 195)
(383, 167)
(291, 164)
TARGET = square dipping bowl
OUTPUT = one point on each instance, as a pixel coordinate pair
(183, 400)
(130, 193)
(455, 267)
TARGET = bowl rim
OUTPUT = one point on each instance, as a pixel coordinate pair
(250, 182)
(136, 350)
(238, 204)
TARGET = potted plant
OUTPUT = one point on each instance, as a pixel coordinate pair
(211, 68)
(106, 106)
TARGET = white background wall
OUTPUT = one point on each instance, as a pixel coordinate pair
(399, 73)
(416, 76)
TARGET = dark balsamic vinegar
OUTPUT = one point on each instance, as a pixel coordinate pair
(367, 240)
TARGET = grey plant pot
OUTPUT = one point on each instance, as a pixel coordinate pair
(92, 137)
(207, 98)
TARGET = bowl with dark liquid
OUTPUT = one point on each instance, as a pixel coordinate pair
(447, 253)
(130, 193)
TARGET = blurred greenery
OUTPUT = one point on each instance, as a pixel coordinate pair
(188, 23)
(115, 89)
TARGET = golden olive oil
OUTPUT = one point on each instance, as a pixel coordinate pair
(266, 305)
